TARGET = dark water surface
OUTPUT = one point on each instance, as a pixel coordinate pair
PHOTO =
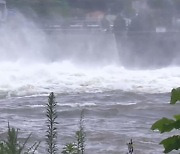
(112, 118)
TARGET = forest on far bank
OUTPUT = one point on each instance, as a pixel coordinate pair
(77, 8)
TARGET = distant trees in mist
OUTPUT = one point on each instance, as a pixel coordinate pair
(55, 9)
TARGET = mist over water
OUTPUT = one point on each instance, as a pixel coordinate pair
(34, 61)
(22, 39)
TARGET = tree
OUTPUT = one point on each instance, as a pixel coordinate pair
(167, 125)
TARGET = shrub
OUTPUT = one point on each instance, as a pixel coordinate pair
(13, 146)
(167, 125)
(70, 148)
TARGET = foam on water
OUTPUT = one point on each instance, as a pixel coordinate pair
(20, 79)
(25, 69)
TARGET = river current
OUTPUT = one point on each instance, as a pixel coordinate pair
(119, 104)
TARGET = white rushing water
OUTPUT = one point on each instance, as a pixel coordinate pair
(21, 79)
(33, 64)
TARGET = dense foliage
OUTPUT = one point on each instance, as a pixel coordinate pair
(167, 125)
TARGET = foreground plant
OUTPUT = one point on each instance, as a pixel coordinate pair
(80, 135)
(130, 147)
(51, 114)
(167, 125)
(13, 146)
(77, 147)
(70, 148)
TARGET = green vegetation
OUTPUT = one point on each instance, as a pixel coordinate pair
(175, 95)
(70, 148)
(40, 10)
(13, 146)
(51, 125)
(167, 125)
(77, 147)
(80, 135)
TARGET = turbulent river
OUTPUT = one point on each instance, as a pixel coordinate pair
(119, 104)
